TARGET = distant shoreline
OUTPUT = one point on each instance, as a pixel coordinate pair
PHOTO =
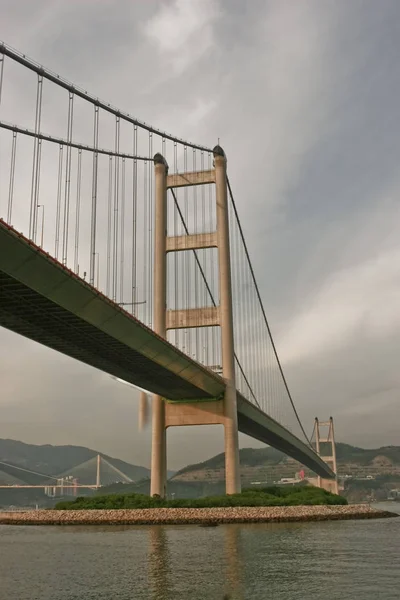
(194, 516)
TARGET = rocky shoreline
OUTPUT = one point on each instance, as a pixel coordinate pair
(193, 516)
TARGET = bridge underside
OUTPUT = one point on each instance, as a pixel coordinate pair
(44, 301)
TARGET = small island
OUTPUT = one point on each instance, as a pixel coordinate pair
(272, 504)
(300, 495)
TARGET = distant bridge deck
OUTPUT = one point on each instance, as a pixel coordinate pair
(48, 485)
(44, 301)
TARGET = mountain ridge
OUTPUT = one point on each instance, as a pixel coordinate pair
(253, 459)
(55, 460)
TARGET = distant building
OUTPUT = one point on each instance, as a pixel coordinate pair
(394, 495)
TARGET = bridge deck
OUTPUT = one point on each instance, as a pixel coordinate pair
(254, 422)
(46, 302)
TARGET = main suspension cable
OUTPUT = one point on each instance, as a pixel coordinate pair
(54, 78)
(264, 315)
(56, 140)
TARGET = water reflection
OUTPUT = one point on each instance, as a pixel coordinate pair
(159, 562)
(347, 560)
(161, 559)
(233, 561)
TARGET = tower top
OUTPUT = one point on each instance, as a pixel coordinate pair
(218, 151)
(158, 159)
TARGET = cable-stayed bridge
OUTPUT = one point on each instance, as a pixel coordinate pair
(91, 474)
(121, 246)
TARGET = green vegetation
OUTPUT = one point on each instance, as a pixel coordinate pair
(270, 496)
(177, 489)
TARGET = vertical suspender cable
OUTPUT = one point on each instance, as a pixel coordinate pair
(214, 358)
(204, 297)
(150, 265)
(122, 251)
(37, 146)
(12, 176)
(78, 211)
(258, 326)
(263, 344)
(145, 275)
(209, 290)
(134, 222)
(109, 224)
(67, 177)
(93, 219)
(234, 271)
(197, 300)
(116, 211)
(2, 59)
(186, 265)
(252, 373)
(59, 192)
(176, 257)
(240, 298)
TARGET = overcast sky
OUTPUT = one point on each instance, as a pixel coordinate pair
(304, 95)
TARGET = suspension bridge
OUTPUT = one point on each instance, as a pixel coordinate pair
(121, 246)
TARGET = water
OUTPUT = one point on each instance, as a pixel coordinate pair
(343, 560)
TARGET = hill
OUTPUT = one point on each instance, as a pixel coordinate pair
(248, 457)
(7, 478)
(268, 463)
(364, 456)
(55, 460)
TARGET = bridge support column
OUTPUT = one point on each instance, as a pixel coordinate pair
(232, 471)
(331, 485)
(158, 443)
(221, 412)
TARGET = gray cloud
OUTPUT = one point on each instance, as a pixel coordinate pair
(303, 96)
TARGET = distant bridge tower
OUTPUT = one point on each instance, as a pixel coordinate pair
(217, 411)
(330, 485)
(98, 482)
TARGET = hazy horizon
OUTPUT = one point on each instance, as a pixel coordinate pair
(147, 466)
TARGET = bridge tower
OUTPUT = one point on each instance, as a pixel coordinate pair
(98, 482)
(143, 411)
(331, 485)
(217, 411)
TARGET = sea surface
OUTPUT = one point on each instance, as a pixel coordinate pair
(343, 560)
